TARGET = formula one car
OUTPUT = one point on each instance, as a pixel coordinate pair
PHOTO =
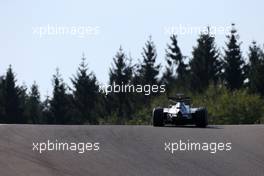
(180, 113)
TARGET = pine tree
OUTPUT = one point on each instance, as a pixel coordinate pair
(23, 97)
(256, 69)
(205, 65)
(59, 104)
(34, 105)
(46, 111)
(121, 71)
(121, 74)
(176, 70)
(233, 62)
(148, 70)
(2, 103)
(10, 94)
(85, 95)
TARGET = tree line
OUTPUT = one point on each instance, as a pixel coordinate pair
(82, 103)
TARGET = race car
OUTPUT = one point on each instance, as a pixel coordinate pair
(180, 113)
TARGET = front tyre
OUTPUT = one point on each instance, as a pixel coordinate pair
(201, 118)
(157, 117)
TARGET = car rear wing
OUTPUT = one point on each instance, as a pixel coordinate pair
(181, 98)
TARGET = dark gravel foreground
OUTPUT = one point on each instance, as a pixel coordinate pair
(131, 150)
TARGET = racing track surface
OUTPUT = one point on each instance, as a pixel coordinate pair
(131, 150)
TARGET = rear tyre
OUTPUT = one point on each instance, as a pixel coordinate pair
(201, 118)
(157, 117)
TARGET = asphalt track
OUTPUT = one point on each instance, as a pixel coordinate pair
(131, 150)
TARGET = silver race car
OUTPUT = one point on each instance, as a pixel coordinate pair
(180, 113)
